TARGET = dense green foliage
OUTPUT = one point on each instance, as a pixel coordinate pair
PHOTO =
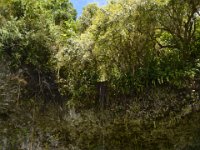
(29, 37)
(118, 69)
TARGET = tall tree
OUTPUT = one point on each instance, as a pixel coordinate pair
(88, 14)
(28, 41)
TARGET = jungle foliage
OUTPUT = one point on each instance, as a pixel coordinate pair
(139, 58)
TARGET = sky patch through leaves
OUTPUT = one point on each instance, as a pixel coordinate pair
(79, 4)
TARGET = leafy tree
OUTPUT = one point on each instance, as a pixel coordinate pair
(175, 37)
(88, 14)
(28, 40)
(62, 11)
(135, 44)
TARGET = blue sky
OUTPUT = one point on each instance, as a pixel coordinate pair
(79, 4)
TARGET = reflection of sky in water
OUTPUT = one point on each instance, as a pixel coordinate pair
(79, 4)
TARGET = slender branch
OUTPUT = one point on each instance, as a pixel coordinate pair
(165, 46)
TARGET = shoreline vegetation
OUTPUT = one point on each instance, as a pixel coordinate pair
(122, 76)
